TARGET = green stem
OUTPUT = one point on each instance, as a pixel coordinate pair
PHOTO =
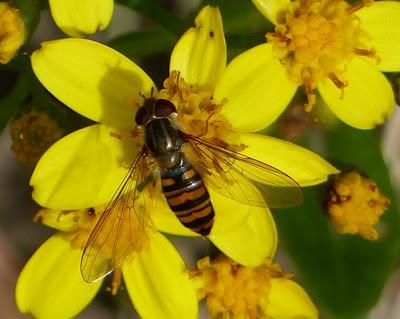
(11, 103)
(157, 14)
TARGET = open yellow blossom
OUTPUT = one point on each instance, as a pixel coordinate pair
(51, 286)
(233, 291)
(12, 32)
(355, 205)
(80, 18)
(336, 48)
(105, 86)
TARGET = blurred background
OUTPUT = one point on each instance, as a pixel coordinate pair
(347, 277)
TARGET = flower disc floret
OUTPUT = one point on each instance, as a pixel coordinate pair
(315, 38)
(355, 205)
(232, 290)
(12, 32)
(198, 112)
(235, 291)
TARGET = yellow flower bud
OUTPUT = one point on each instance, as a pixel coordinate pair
(355, 205)
(12, 32)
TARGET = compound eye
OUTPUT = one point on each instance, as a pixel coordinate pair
(142, 116)
(164, 108)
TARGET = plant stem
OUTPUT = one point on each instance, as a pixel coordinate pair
(157, 14)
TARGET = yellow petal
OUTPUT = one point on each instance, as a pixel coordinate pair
(82, 169)
(286, 292)
(158, 282)
(270, 8)
(257, 232)
(368, 98)
(257, 88)
(92, 79)
(304, 166)
(79, 18)
(57, 219)
(381, 20)
(229, 215)
(200, 54)
(51, 285)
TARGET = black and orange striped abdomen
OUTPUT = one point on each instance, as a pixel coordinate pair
(188, 197)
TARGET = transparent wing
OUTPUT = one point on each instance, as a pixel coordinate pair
(121, 226)
(243, 178)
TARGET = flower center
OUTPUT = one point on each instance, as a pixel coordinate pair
(232, 290)
(355, 205)
(198, 112)
(314, 39)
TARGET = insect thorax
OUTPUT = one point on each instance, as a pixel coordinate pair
(163, 141)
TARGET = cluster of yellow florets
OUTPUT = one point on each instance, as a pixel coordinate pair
(12, 32)
(232, 290)
(32, 134)
(314, 38)
(355, 205)
(197, 110)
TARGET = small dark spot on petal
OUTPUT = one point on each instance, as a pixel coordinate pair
(211, 34)
(91, 211)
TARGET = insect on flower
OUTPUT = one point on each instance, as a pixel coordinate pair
(184, 167)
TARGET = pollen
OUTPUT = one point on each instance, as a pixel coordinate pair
(198, 112)
(314, 39)
(234, 291)
(32, 134)
(355, 205)
(12, 32)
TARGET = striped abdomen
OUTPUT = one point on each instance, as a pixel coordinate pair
(188, 197)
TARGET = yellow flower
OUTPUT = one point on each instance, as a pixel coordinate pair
(80, 18)
(12, 32)
(106, 87)
(337, 48)
(51, 286)
(355, 205)
(233, 291)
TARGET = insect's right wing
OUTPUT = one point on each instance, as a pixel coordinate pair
(117, 232)
(243, 178)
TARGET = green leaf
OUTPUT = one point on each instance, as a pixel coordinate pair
(240, 16)
(157, 14)
(144, 43)
(10, 103)
(344, 274)
(30, 12)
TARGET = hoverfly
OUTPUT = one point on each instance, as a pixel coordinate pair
(184, 184)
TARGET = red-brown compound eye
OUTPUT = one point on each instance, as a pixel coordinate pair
(142, 116)
(164, 108)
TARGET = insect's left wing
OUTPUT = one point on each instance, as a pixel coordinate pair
(243, 178)
(117, 233)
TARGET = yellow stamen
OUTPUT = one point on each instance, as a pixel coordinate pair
(232, 290)
(12, 32)
(355, 205)
(198, 112)
(314, 39)
(32, 134)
